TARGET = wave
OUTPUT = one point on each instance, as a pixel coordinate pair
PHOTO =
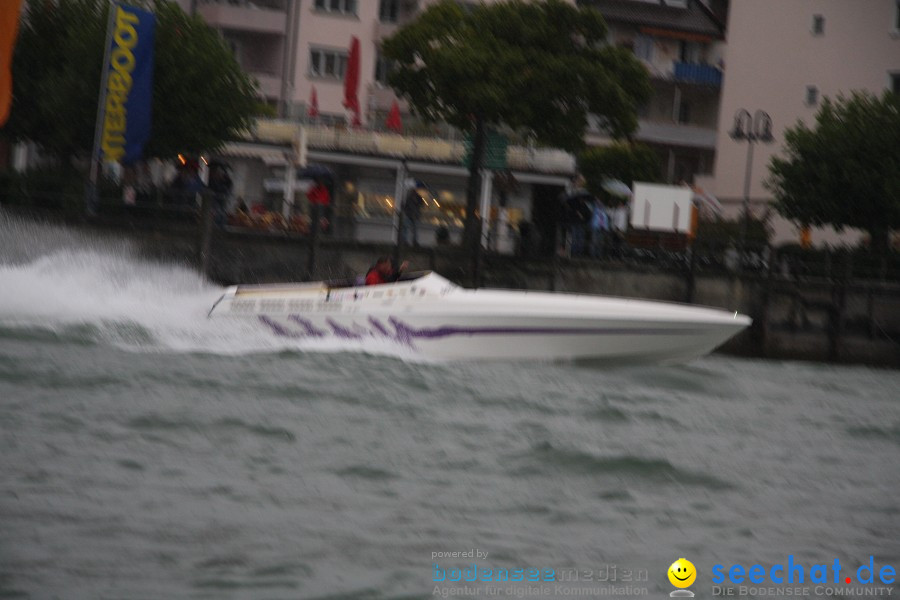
(547, 457)
(62, 285)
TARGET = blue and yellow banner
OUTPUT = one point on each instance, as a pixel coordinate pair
(129, 85)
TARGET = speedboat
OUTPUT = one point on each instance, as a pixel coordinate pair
(423, 315)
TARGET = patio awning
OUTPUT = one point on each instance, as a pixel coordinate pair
(272, 156)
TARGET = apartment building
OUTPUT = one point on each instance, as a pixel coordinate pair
(681, 44)
(293, 47)
(298, 51)
(259, 32)
(308, 43)
(782, 58)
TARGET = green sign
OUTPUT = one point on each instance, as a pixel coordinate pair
(494, 151)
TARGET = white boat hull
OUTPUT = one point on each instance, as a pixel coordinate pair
(432, 319)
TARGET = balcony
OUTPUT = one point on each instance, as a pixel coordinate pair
(269, 84)
(698, 74)
(262, 17)
(673, 134)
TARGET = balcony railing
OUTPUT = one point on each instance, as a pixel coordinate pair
(269, 18)
(280, 5)
(697, 73)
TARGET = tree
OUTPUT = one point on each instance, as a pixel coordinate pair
(537, 67)
(845, 171)
(627, 162)
(201, 96)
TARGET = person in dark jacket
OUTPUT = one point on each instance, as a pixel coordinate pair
(220, 185)
(410, 213)
(579, 212)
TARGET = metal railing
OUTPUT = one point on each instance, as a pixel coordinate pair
(697, 73)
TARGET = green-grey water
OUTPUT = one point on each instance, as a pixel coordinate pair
(146, 452)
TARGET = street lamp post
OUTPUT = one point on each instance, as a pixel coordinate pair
(752, 129)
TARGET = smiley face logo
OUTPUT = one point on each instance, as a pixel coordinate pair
(682, 573)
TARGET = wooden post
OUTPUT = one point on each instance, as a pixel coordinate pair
(311, 256)
(838, 307)
(554, 270)
(870, 309)
(763, 327)
(691, 281)
(204, 237)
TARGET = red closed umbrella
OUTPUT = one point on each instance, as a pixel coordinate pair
(393, 121)
(351, 82)
(313, 111)
(9, 19)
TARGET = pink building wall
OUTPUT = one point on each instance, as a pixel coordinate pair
(325, 29)
(772, 55)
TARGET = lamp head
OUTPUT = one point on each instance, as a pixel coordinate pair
(743, 125)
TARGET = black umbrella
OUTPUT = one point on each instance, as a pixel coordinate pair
(316, 171)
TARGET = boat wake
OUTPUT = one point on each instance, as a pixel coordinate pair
(99, 290)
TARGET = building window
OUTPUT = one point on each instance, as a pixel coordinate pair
(896, 17)
(327, 63)
(895, 83)
(341, 7)
(818, 25)
(382, 68)
(643, 110)
(684, 113)
(235, 47)
(388, 11)
(689, 52)
(812, 95)
(643, 47)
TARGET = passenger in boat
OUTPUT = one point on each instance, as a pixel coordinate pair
(384, 271)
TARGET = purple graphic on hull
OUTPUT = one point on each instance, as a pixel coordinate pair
(346, 334)
(406, 335)
(278, 329)
(311, 330)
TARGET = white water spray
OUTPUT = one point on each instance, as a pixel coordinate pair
(56, 279)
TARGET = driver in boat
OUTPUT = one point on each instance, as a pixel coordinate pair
(384, 272)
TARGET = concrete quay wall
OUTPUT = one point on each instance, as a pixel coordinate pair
(834, 320)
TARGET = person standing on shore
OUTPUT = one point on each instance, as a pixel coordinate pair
(319, 200)
(410, 213)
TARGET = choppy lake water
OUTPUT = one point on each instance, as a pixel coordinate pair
(148, 453)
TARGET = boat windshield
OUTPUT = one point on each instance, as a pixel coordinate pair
(360, 281)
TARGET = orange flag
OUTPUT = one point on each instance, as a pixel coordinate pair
(9, 28)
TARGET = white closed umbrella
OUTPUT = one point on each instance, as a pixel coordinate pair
(616, 188)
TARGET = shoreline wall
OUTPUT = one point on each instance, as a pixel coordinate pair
(833, 320)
